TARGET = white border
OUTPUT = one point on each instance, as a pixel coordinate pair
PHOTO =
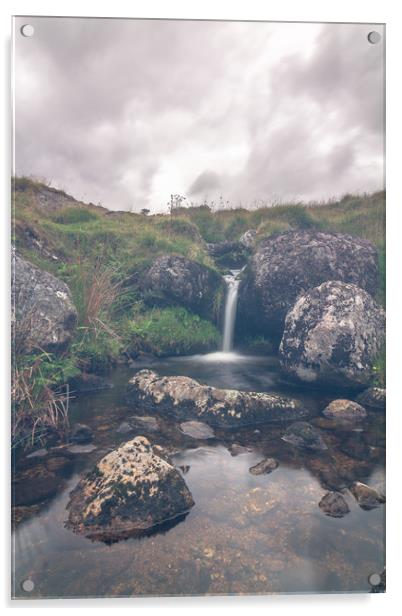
(290, 10)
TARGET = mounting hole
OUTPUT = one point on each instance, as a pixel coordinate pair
(28, 585)
(27, 30)
(374, 37)
(374, 579)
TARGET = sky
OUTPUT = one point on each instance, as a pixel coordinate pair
(125, 113)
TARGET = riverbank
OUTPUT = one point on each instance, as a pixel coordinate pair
(104, 258)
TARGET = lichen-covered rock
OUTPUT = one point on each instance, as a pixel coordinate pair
(184, 398)
(289, 264)
(248, 239)
(367, 497)
(191, 284)
(332, 336)
(304, 435)
(373, 398)
(334, 505)
(129, 491)
(44, 316)
(345, 410)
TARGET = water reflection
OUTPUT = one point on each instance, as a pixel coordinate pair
(246, 533)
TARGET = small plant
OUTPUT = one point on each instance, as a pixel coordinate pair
(40, 397)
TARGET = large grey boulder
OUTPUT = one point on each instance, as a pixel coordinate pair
(288, 264)
(332, 336)
(191, 284)
(184, 398)
(130, 491)
(44, 316)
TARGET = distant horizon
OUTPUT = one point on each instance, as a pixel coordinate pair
(202, 203)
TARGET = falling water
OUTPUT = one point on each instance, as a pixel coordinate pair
(232, 282)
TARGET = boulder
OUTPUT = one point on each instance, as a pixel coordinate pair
(183, 398)
(367, 497)
(289, 264)
(264, 467)
(332, 337)
(304, 435)
(179, 280)
(248, 239)
(334, 505)
(373, 398)
(44, 316)
(345, 410)
(132, 490)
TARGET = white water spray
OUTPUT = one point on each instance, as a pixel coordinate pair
(232, 282)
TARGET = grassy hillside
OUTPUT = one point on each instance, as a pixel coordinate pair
(102, 256)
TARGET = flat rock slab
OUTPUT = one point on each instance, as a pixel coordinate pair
(81, 448)
(197, 429)
(183, 398)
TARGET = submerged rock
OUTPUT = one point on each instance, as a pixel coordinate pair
(131, 490)
(332, 336)
(334, 505)
(373, 397)
(264, 467)
(44, 315)
(304, 435)
(77, 449)
(33, 485)
(237, 450)
(367, 497)
(197, 429)
(345, 410)
(85, 383)
(81, 433)
(181, 397)
(145, 422)
(186, 282)
(288, 264)
(124, 428)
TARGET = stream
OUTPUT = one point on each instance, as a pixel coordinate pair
(246, 533)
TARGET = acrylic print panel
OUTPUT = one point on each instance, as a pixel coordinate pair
(198, 291)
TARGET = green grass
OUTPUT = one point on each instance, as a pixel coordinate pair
(170, 331)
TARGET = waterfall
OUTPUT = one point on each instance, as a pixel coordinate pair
(232, 282)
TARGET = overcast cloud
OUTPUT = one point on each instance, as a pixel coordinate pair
(126, 112)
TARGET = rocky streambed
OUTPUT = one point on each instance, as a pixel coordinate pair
(274, 506)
